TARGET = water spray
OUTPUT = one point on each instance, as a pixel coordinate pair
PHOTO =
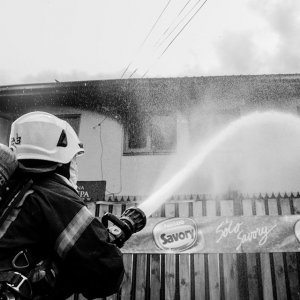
(134, 219)
(165, 192)
(289, 124)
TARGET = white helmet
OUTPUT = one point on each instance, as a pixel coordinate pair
(43, 136)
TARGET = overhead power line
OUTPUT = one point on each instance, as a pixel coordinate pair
(167, 28)
(146, 38)
(179, 22)
(183, 28)
(177, 35)
(172, 23)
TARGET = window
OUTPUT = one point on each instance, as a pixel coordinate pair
(150, 134)
(5, 125)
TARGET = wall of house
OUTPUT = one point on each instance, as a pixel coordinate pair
(103, 139)
(226, 167)
(252, 159)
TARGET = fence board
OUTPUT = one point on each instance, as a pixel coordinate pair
(127, 281)
(197, 209)
(229, 260)
(170, 262)
(198, 276)
(213, 261)
(141, 278)
(293, 286)
(116, 209)
(125, 292)
(296, 205)
(155, 265)
(184, 262)
(155, 279)
(103, 208)
(265, 259)
(278, 259)
(253, 274)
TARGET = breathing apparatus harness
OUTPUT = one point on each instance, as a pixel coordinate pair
(20, 276)
(12, 280)
(59, 145)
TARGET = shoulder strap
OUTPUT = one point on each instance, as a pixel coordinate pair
(7, 191)
(13, 197)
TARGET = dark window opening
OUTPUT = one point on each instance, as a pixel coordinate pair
(137, 134)
(5, 124)
(150, 134)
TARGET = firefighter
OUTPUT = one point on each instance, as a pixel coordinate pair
(51, 239)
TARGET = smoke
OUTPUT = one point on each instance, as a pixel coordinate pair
(266, 41)
(236, 52)
(282, 21)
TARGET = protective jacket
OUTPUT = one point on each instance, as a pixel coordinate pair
(52, 221)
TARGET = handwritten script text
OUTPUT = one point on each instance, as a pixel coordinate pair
(228, 228)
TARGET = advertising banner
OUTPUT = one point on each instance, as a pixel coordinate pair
(238, 234)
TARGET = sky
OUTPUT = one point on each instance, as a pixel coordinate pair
(73, 40)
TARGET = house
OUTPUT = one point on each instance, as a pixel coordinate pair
(140, 133)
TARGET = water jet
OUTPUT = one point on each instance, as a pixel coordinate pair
(269, 147)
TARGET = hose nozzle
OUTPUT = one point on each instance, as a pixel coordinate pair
(131, 221)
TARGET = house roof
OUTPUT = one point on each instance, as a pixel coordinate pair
(120, 96)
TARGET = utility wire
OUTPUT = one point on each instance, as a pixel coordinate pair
(101, 146)
(146, 39)
(120, 172)
(183, 28)
(177, 35)
(179, 23)
(133, 72)
(172, 23)
(101, 158)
